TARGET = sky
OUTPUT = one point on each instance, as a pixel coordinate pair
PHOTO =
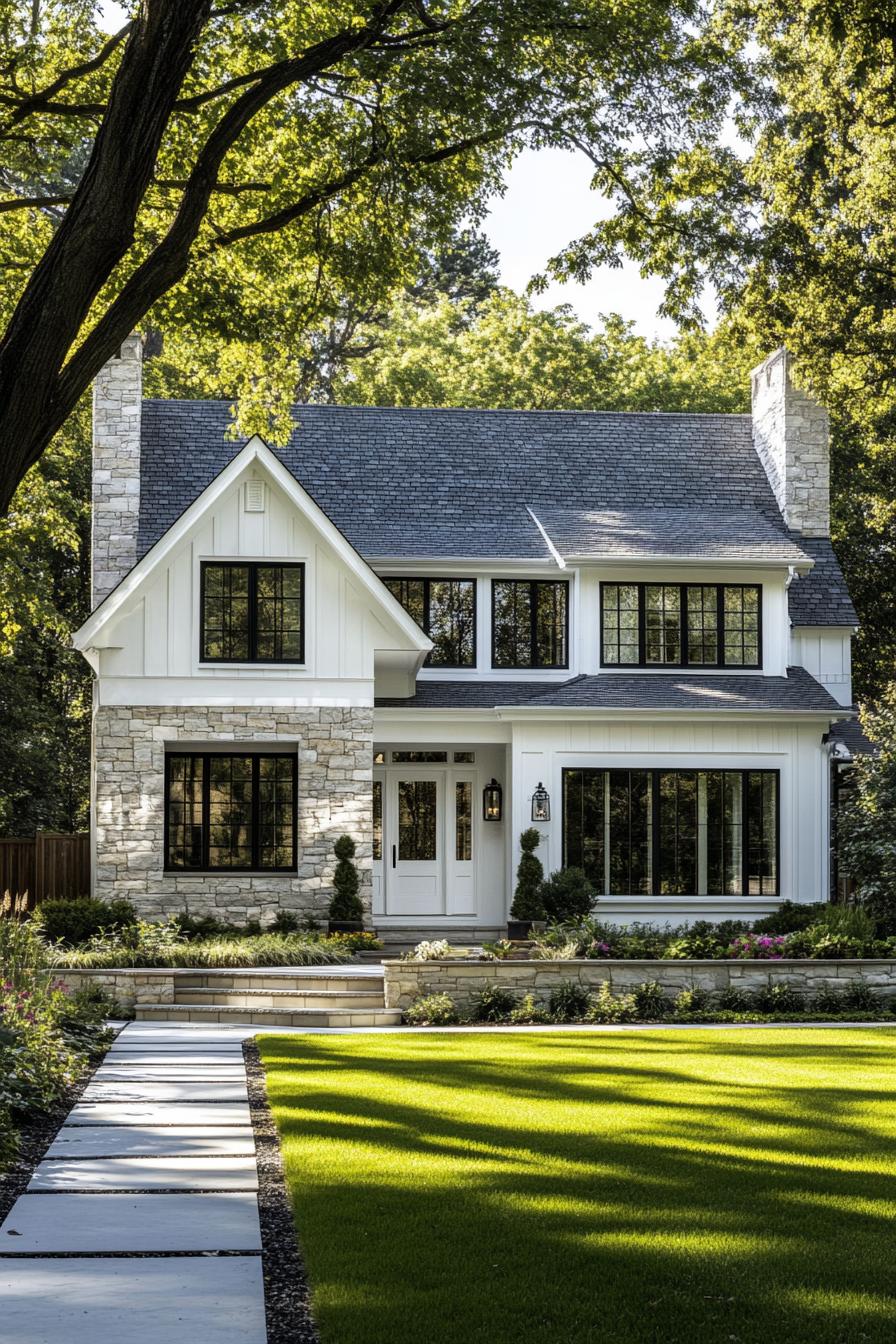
(548, 202)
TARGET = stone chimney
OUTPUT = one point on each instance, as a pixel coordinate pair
(790, 433)
(117, 393)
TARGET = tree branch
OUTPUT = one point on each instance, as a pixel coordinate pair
(32, 202)
(42, 101)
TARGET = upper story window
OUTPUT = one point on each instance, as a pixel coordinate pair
(446, 610)
(681, 625)
(252, 613)
(530, 623)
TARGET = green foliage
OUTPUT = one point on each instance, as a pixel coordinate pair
(527, 902)
(607, 1007)
(346, 903)
(284, 922)
(431, 1010)
(568, 1001)
(691, 1002)
(567, 895)
(867, 822)
(494, 1003)
(71, 922)
(529, 1011)
(733, 1000)
(789, 917)
(163, 944)
(651, 1001)
(778, 998)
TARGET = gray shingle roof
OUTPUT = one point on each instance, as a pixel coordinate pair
(626, 691)
(723, 533)
(848, 732)
(409, 483)
(820, 597)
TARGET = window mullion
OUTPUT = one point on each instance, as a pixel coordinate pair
(683, 623)
(533, 620)
(642, 626)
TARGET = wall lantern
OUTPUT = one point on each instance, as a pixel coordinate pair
(541, 804)
(491, 801)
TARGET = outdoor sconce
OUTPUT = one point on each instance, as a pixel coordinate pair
(541, 804)
(491, 801)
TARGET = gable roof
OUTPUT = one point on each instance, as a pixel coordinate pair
(798, 691)
(254, 452)
(821, 597)
(406, 483)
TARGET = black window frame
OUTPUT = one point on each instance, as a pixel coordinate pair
(719, 664)
(255, 757)
(534, 666)
(655, 828)
(253, 566)
(428, 581)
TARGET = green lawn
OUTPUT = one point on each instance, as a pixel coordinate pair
(690, 1186)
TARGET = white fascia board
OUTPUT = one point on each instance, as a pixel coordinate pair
(256, 450)
(433, 566)
(615, 560)
(832, 715)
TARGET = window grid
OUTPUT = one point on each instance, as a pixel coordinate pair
(252, 613)
(230, 812)
(533, 627)
(707, 625)
(445, 609)
(673, 832)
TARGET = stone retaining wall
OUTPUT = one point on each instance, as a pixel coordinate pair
(335, 793)
(127, 987)
(461, 979)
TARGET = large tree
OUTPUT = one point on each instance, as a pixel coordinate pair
(236, 170)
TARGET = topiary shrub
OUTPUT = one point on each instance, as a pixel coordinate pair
(567, 895)
(568, 1002)
(495, 1003)
(431, 1010)
(345, 905)
(72, 922)
(527, 904)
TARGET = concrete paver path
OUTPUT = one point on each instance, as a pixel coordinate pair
(141, 1223)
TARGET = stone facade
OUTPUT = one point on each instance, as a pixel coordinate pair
(335, 770)
(791, 436)
(117, 393)
(406, 980)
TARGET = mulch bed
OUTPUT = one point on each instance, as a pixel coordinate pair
(287, 1297)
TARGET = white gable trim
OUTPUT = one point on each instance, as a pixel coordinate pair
(255, 451)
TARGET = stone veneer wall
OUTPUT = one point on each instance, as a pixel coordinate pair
(335, 751)
(117, 394)
(406, 981)
(791, 436)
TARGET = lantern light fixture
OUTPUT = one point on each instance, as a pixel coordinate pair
(541, 804)
(492, 801)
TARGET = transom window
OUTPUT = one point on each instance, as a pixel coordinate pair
(446, 610)
(230, 812)
(681, 625)
(253, 613)
(673, 832)
(530, 623)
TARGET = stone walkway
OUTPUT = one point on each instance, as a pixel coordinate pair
(141, 1224)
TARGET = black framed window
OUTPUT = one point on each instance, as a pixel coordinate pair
(445, 609)
(681, 625)
(230, 811)
(252, 612)
(673, 832)
(530, 623)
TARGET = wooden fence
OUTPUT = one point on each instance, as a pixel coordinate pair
(47, 866)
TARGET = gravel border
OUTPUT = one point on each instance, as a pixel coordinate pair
(287, 1296)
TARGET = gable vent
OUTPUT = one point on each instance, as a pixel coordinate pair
(255, 496)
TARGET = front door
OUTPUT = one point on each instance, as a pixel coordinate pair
(415, 852)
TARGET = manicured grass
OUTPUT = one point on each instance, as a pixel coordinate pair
(699, 1186)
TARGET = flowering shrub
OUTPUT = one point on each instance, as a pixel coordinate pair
(431, 1010)
(46, 1036)
(758, 947)
(436, 950)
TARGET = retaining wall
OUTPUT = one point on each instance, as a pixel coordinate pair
(406, 980)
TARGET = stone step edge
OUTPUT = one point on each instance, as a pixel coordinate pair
(200, 1008)
(276, 993)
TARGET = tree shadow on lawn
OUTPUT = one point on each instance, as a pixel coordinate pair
(595, 1201)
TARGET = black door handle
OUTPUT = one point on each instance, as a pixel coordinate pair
(393, 856)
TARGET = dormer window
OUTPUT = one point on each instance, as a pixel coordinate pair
(681, 625)
(446, 610)
(252, 613)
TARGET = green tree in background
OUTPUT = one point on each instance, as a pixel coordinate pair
(867, 824)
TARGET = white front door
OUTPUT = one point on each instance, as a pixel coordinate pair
(415, 842)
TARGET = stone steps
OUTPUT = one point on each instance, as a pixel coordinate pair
(300, 1018)
(281, 998)
(250, 978)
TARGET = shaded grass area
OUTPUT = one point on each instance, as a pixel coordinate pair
(711, 1186)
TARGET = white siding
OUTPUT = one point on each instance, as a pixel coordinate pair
(825, 652)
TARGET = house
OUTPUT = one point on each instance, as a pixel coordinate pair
(432, 629)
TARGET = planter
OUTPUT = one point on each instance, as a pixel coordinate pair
(518, 929)
(345, 926)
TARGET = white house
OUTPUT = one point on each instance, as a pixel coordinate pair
(434, 628)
